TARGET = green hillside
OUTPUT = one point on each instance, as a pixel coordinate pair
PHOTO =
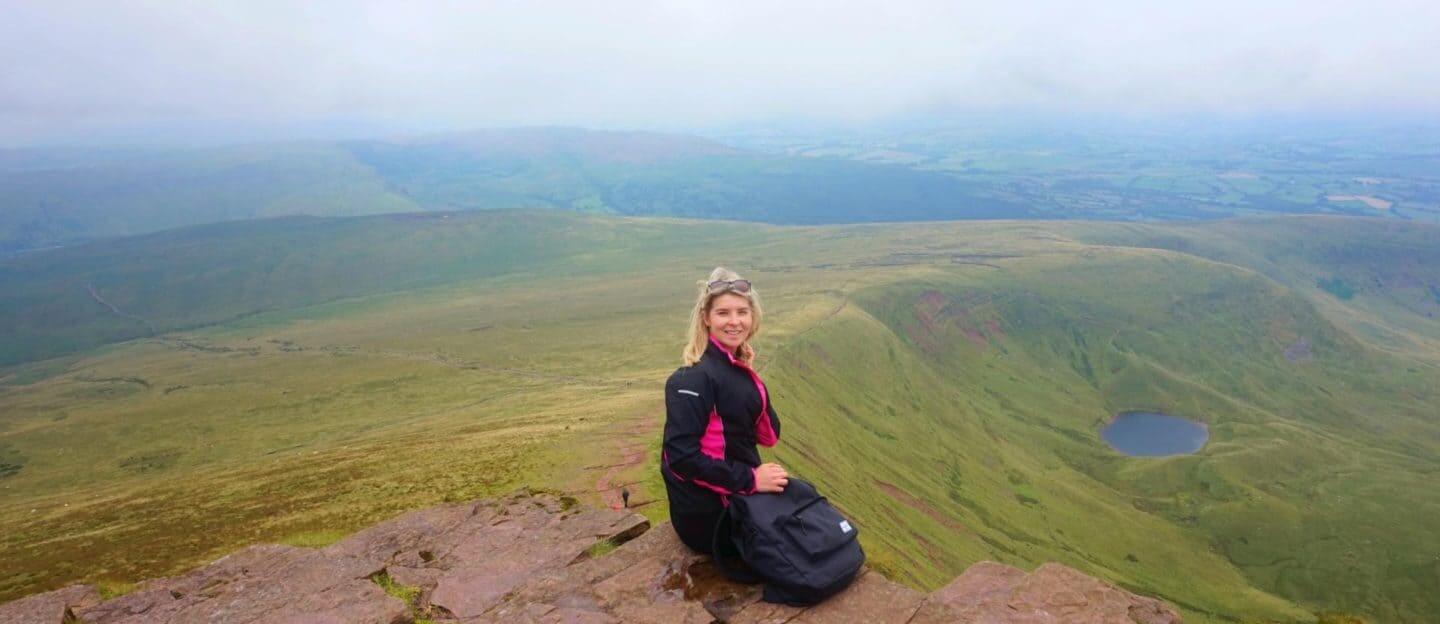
(1379, 280)
(81, 297)
(944, 383)
(982, 398)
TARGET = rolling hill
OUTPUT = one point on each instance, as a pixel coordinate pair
(60, 197)
(986, 169)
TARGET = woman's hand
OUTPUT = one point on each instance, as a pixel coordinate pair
(771, 478)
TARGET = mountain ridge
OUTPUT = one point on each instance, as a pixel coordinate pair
(60, 197)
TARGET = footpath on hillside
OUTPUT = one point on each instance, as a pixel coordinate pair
(539, 558)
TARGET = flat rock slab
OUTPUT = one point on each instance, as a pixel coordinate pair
(268, 583)
(531, 558)
(992, 593)
(645, 580)
(871, 598)
(52, 606)
(984, 587)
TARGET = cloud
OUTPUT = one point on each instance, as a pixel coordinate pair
(76, 66)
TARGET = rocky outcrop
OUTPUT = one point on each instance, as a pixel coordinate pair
(541, 559)
(992, 593)
(56, 606)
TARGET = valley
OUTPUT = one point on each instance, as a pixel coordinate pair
(945, 384)
(974, 168)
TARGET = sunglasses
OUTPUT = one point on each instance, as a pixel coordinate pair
(741, 286)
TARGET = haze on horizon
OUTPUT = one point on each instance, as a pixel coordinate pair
(73, 71)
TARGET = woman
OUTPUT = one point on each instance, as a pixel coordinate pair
(716, 410)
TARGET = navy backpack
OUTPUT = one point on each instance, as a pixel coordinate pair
(793, 541)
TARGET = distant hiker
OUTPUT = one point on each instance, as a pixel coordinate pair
(716, 410)
(625, 497)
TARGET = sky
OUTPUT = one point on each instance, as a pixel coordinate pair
(76, 70)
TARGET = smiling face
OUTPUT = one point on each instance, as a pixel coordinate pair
(729, 320)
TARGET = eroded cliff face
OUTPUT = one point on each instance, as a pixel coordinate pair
(537, 558)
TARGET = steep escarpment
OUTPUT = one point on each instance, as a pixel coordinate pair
(975, 400)
(538, 558)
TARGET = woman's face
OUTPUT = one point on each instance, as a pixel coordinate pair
(729, 320)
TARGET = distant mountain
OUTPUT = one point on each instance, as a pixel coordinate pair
(571, 143)
(988, 169)
(60, 197)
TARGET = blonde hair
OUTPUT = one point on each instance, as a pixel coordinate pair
(699, 336)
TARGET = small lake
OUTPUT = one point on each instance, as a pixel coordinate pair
(1151, 434)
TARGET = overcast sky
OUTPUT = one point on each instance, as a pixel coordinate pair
(72, 69)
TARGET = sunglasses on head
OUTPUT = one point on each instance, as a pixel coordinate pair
(741, 286)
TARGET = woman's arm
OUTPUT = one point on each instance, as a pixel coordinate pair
(694, 447)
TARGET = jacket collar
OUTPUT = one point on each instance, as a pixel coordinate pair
(719, 350)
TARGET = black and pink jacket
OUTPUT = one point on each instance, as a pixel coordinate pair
(715, 413)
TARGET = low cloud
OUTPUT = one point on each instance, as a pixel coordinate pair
(75, 67)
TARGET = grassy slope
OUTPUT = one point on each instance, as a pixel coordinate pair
(1030, 359)
(284, 427)
(327, 418)
(211, 274)
(944, 383)
(1392, 270)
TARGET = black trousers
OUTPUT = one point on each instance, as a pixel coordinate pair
(697, 530)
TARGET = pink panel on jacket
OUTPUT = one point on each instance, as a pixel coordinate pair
(713, 442)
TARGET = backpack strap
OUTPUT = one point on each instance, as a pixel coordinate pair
(720, 536)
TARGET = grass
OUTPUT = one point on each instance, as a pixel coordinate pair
(942, 383)
(601, 548)
(313, 539)
(114, 589)
(1179, 338)
(408, 594)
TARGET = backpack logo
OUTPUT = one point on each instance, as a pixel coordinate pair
(845, 526)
